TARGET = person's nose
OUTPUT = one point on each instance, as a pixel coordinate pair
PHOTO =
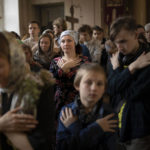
(119, 46)
(93, 87)
(66, 43)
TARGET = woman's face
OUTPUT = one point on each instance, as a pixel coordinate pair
(67, 44)
(4, 72)
(45, 44)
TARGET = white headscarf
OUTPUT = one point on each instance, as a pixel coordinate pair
(71, 33)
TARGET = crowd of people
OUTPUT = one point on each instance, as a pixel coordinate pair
(74, 90)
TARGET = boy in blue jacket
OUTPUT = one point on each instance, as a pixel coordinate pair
(86, 123)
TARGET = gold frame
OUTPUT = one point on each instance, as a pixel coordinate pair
(114, 3)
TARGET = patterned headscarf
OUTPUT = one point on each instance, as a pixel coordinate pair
(24, 86)
(17, 62)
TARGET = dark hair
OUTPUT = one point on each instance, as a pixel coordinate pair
(47, 31)
(139, 26)
(15, 35)
(127, 23)
(142, 38)
(34, 22)
(4, 47)
(26, 47)
(85, 28)
(97, 28)
(78, 49)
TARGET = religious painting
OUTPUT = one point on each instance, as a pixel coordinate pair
(113, 9)
(114, 3)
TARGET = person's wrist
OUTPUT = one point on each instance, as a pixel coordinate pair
(98, 121)
(65, 70)
(115, 66)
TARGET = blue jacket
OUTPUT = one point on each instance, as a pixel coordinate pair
(84, 136)
(85, 52)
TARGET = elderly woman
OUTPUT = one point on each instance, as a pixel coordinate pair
(64, 68)
(44, 53)
(26, 101)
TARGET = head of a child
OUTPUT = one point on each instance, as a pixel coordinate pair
(90, 81)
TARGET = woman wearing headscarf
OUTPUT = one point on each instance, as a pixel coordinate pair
(26, 101)
(64, 68)
(45, 53)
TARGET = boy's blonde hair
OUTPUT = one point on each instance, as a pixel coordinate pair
(88, 67)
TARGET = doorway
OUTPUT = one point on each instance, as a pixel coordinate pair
(48, 13)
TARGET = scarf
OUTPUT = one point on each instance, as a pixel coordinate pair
(84, 117)
(44, 58)
(126, 60)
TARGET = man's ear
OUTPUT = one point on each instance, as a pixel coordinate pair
(136, 34)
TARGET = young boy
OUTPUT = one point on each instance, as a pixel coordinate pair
(83, 124)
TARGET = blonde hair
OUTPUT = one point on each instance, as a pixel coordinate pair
(88, 67)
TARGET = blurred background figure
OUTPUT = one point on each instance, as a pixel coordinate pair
(34, 66)
(140, 29)
(34, 31)
(147, 33)
(59, 25)
(44, 53)
(94, 46)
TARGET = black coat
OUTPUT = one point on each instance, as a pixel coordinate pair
(135, 89)
(41, 138)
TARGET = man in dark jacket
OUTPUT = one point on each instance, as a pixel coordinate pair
(129, 80)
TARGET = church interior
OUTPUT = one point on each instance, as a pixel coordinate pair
(74, 74)
(16, 14)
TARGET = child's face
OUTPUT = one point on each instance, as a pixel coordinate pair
(91, 88)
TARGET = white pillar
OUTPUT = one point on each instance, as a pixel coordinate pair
(11, 15)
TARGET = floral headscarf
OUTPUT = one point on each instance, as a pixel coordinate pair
(25, 86)
(17, 61)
